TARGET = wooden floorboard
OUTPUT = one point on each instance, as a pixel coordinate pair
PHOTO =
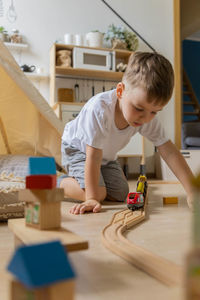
(100, 273)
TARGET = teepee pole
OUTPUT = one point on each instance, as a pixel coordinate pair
(4, 136)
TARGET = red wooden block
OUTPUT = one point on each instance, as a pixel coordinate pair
(40, 181)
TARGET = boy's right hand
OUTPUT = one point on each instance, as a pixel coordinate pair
(88, 205)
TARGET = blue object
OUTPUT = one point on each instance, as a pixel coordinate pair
(42, 166)
(41, 264)
(191, 62)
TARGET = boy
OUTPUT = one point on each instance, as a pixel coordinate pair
(105, 125)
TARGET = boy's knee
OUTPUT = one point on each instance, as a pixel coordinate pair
(61, 181)
(119, 193)
(124, 191)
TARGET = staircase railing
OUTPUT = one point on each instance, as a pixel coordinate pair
(117, 14)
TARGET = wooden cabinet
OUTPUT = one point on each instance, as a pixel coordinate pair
(68, 110)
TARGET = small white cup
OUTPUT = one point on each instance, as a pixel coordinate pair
(78, 38)
(68, 39)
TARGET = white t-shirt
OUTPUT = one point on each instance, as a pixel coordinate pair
(95, 126)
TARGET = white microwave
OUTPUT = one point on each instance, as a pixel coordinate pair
(93, 59)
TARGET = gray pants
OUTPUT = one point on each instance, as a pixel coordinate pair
(111, 174)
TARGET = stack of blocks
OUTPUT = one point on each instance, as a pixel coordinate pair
(41, 271)
(42, 198)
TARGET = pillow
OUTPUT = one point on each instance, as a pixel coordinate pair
(10, 206)
(13, 170)
(193, 141)
(13, 166)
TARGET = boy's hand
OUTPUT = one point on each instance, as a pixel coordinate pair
(88, 205)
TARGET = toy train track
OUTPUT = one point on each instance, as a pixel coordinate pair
(112, 236)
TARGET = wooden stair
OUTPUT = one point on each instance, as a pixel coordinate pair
(192, 100)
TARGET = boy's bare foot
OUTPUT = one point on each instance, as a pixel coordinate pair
(88, 205)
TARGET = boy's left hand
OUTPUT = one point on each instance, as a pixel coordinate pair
(88, 205)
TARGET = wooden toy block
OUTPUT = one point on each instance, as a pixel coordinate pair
(51, 279)
(28, 235)
(58, 290)
(40, 181)
(170, 200)
(42, 207)
(41, 195)
(42, 166)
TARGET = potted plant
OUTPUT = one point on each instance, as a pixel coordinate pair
(121, 38)
(1, 33)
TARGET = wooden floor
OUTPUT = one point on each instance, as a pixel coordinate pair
(100, 273)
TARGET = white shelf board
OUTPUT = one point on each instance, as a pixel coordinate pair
(36, 76)
(16, 46)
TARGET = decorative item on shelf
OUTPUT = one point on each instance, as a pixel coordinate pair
(78, 40)
(16, 37)
(26, 68)
(65, 95)
(121, 38)
(68, 38)
(63, 58)
(118, 44)
(6, 36)
(95, 39)
(121, 67)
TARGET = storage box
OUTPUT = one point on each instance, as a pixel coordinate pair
(192, 158)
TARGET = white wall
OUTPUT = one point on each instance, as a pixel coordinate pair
(43, 22)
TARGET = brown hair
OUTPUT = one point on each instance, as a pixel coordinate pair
(153, 72)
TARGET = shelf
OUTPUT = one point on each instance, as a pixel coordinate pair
(66, 46)
(108, 75)
(36, 76)
(16, 46)
(67, 103)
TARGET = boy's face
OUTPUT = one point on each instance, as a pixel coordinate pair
(134, 106)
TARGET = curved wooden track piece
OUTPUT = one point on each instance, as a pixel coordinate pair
(112, 236)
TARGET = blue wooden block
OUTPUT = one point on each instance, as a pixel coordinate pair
(41, 264)
(42, 166)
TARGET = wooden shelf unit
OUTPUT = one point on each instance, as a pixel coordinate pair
(121, 55)
(94, 74)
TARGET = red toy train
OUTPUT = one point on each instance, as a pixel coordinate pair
(136, 200)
